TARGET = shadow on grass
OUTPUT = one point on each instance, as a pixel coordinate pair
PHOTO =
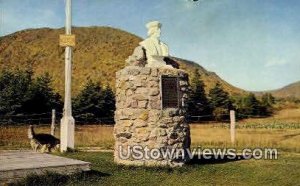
(202, 159)
(51, 178)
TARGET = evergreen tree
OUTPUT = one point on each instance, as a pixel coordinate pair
(219, 97)
(198, 103)
(41, 98)
(250, 106)
(14, 87)
(94, 104)
(267, 101)
(89, 104)
(109, 103)
(220, 102)
(21, 95)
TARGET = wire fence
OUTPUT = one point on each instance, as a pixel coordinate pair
(219, 118)
(46, 119)
(19, 119)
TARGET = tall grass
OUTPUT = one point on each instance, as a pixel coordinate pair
(275, 132)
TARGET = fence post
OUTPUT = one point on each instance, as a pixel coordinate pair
(232, 126)
(53, 123)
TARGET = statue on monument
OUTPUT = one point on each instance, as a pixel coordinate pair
(153, 46)
(152, 52)
(151, 97)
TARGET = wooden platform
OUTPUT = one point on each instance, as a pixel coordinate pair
(17, 165)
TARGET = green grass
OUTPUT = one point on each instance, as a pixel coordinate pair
(284, 171)
(281, 131)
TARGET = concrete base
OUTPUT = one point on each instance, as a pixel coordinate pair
(67, 132)
(17, 165)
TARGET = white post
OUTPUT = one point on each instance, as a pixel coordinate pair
(67, 122)
(53, 126)
(232, 126)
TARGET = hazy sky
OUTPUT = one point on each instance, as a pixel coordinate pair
(252, 44)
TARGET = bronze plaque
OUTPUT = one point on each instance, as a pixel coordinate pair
(170, 92)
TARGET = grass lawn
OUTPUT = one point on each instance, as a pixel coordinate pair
(284, 171)
(282, 131)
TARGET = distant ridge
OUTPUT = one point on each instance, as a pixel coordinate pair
(98, 54)
(209, 78)
(291, 90)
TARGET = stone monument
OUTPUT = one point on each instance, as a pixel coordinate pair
(150, 111)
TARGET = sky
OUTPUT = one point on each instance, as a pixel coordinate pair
(252, 44)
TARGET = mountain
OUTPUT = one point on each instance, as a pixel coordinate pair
(98, 54)
(291, 90)
(210, 78)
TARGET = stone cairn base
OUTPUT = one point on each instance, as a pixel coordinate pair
(142, 123)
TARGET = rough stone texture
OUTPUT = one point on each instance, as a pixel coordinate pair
(138, 58)
(140, 119)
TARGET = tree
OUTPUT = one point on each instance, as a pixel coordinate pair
(219, 101)
(21, 95)
(252, 105)
(109, 102)
(267, 102)
(94, 104)
(14, 87)
(88, 104)
(267, 99)
(198, 103)
(41, 98)
(219, 97)
(248, 106)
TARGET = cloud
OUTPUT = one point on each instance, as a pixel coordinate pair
(276, 62)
